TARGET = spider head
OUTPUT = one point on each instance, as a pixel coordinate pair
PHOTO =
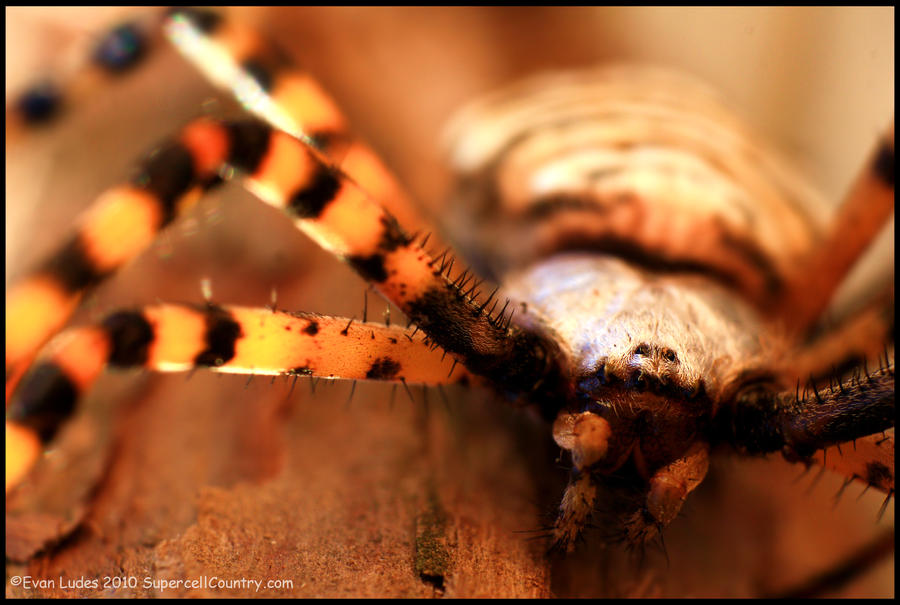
(635, 418)
(645, 405)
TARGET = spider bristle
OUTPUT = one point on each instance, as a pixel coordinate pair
(816, 391)
(475, 285)
(863, 492)
(805, 472)
(817, 478)
(489, 298)
(884, 505)
(440, 260)
(350, 396)
(444, 398)
(347, 327)
(461, 279)
(837, 379)
(408, 392)
(450, 266)
(496, 320)
(509, 319)
(840, 492)
(539, 537)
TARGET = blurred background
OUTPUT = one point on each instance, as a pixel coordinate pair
(818, 82)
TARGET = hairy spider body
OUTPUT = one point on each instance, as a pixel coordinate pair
(640, 345)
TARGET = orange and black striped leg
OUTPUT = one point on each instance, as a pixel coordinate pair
(121, 223)
(236, 58)
(801, 423)
(861, 339)
(866, 209)
(870, 460)
(237, 340)
(344, 220)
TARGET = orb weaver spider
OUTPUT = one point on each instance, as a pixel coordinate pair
(212, 500)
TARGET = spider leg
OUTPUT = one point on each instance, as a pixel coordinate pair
(236, 58)
(801, 423)
(868, 205)
(118, 226)
(332, 210)
(181, 338)
(870, 459)
(829, 355)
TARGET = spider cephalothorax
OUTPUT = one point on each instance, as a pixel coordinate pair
(651, 363)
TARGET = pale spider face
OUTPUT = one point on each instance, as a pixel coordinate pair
(754, 503)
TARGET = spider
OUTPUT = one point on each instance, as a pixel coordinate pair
(218, 294)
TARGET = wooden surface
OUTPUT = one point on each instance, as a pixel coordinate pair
(168, 478)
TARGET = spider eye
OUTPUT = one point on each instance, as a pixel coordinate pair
(643, 349)
(669, 355)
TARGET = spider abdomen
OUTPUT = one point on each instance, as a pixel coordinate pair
(635, 162)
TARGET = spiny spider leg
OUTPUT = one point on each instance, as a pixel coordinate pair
(236, 58)
(237, 340)
(344, 220)
(870, 459)
(799, 423)
(867, 207)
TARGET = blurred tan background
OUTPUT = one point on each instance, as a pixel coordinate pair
(818, 81)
